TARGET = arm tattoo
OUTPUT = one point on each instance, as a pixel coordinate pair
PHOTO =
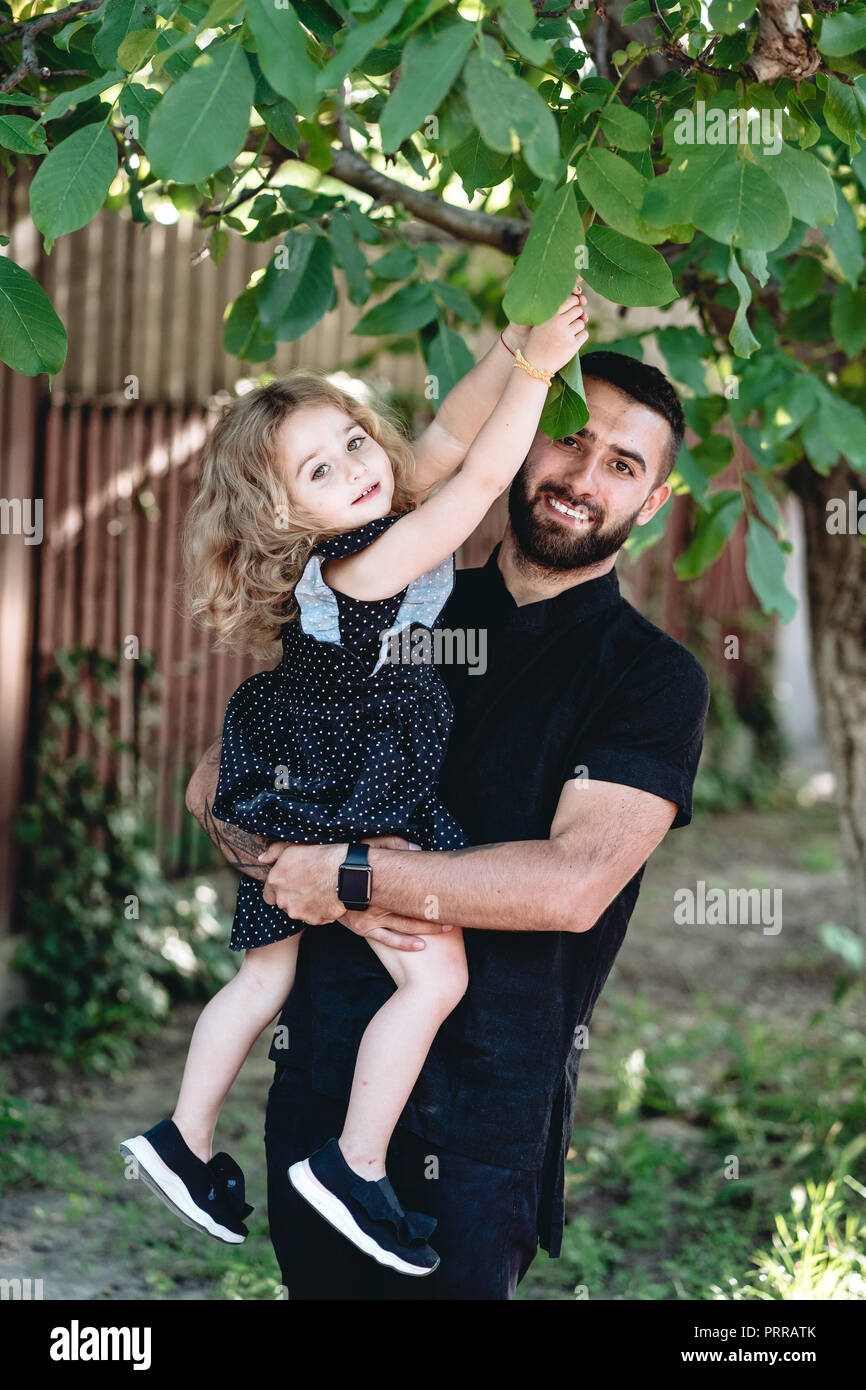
(239, 847)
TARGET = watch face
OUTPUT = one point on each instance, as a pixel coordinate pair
(355, 884)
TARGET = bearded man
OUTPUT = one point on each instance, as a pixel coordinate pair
(573, 752)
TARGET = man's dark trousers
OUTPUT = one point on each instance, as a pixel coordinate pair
(487, 1232)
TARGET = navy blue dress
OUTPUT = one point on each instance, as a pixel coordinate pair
(341, 739)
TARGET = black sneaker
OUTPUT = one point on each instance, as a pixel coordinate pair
(207, 1196)
(367, 1213)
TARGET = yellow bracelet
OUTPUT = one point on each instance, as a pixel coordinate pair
(537, 373)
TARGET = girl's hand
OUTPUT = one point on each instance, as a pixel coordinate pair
(516, 335)
(551, 345)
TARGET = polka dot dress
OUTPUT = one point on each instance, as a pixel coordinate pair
(326, 747)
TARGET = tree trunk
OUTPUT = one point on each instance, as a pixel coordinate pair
(836, 575)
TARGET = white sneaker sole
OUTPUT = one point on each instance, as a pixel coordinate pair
(305, 1182)
(165, 1184)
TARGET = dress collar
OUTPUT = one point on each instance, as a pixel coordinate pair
(571, 605)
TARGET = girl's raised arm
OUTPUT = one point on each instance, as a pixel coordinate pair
(423, 538)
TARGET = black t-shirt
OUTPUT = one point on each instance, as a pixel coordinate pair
(580, 685)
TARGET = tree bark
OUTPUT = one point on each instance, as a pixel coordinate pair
(836, 577)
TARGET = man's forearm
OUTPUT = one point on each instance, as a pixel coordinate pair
(239, 847)
(524, 885)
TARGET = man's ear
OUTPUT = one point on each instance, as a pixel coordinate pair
(656, 499)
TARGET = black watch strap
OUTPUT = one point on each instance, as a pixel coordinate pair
(355, 880)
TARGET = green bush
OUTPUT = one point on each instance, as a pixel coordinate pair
(108, 940)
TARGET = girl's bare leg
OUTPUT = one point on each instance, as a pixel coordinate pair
(226, 1030)
(396, 1042)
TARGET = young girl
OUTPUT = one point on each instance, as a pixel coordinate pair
(306, 492)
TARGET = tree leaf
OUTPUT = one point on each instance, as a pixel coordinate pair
(843, 32)
(805, 182)
(625, 128)
(714, 525)
(32, 338)
(727, 15)
(544, 274)
(430, 67)
(765, 569)
(844, 241)
(742, 339)
(357, 43)
(743, 207)
(625, 271)
(683, 349)
(504, 108)
(23, 135)
(244, 335)
(282, 53)
(477, 165)
(351, 258)
(844, 109)
(61, 104)
(293, 297)
(409, 309)
(564, 411)
(448, 359)
(72, 182)
(202, 122)
(121, 18)
(848, 319)
(844, 425)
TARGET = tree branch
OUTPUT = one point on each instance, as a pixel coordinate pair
(783, 47)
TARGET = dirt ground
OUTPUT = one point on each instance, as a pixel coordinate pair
(774, 977)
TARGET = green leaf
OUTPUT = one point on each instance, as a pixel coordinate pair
(478, 166)
(282, 53)
(727, 15)
(409, 309)
(72, 182)
(243, 333)
(430, 67)
(683, 349)
(616, 191)
(625, 128)
(844, 109)
(564, 411)
(121, 18)
(396, 264)
(448, 359)
(822, 455)
(358, 41)
(743, 207)
(32, 338)
(743, 340)
(848, 319)
(351, 258)
(138, 102)
(136, 48)
(625, 271)
(23, 135)
(61, 104)
(844, 240)
(202, 122)
(844, 425)
(544, 274)
(765, 501)
(805, 182)
(694, 477)
(457, 300)
(670, 198)
(843, 32)
(280, 121)
(365, 228)
(715, 523)
(297, 288)
(505, 108)
(765, 569)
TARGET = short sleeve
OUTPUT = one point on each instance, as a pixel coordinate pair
(650, 733)
(350, 542)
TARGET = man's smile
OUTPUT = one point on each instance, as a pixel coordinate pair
(575, 516)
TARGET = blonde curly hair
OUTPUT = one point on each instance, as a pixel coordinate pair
(245, 544)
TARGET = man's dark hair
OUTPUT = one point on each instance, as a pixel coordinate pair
(644, 384)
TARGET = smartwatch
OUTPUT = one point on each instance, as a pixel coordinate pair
(355, 879)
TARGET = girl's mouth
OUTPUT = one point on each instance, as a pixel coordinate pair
(573, 516)
(368, 492)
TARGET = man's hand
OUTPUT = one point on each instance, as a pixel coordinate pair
(303, 882)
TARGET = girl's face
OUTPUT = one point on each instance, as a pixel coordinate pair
(334, 469)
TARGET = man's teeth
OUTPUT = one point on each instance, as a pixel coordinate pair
(579, 513)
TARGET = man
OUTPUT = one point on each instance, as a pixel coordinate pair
(570, 758)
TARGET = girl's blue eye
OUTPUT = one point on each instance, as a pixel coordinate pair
(317, 471)
(358, 439)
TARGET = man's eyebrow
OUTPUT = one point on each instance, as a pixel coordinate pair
(632, 454)
(352, 425)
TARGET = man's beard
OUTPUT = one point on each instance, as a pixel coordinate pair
(555, 545)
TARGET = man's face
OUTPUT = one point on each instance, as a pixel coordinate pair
(575, 500)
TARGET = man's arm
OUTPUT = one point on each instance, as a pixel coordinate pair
(239, 847)
(602, 833)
